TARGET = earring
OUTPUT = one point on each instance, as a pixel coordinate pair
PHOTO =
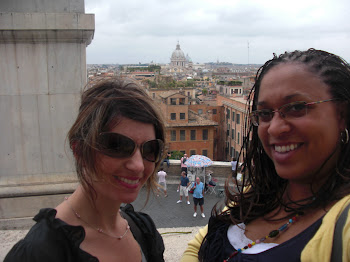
(344, 136)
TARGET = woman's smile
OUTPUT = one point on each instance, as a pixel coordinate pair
(286, 148)
(128, 182)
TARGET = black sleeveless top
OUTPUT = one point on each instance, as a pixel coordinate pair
(217, 246)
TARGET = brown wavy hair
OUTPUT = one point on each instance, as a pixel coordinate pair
(101, 106)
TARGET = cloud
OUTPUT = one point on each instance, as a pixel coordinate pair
(141, 31)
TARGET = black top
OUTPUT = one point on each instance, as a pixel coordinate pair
(51, 239)
(218, 247)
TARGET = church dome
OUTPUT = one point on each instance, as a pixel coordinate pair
(178, 54)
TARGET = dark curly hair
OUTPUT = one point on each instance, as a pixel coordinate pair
(266, 188)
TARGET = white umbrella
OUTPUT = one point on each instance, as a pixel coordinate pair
(199, 162)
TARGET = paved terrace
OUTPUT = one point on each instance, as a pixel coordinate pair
(174, 221)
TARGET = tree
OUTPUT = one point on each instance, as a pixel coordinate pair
(176, 155)
(190, 82)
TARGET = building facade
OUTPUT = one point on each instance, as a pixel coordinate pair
(186, 130)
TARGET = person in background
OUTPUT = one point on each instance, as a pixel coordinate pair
(295, 201)
(183, 165)
(166, 159)
(234, 166)
(183, 187)
(198, 198)
(162, 181)
(117, 142)
(234, 163)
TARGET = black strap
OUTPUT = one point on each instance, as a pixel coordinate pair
(135, 230)
(337, 250)
(145, 233)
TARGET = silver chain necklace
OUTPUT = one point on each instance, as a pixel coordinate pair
(98, 229)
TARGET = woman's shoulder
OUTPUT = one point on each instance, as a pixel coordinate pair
(50, 238)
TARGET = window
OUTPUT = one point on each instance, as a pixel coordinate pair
(181, 101)
(193, 134)
(205, 152)
(200, 111)
(214, 111)
(233, 134)
(182, 116)
(238, 118)
(232, 151)
(205, 134)
(228, 130)
(233, 116)
(188, 94)
(183, 152)
(182, 135)
(192, 152)
(227, 113)
(173, 101)
(238, 136)
(173, 135)
(173, 116)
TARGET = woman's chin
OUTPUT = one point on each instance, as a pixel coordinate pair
(128, 198)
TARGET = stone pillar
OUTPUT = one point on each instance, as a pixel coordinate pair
(42, 72)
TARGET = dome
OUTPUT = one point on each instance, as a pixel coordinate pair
(178, 54)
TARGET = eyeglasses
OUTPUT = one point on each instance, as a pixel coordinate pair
(287, 111)
(119, 146)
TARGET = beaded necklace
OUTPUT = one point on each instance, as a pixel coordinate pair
(99, 230)
(272, 234)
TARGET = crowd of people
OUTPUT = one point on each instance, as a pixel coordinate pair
(293, 200)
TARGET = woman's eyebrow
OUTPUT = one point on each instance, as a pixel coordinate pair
(286, 99)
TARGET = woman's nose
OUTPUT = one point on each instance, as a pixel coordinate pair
(278, 125)
(135, 162)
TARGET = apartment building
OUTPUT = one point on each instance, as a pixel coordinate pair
(232, 124)
(187, 131)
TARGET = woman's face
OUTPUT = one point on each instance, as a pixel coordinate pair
(298, 147)
(124, 177)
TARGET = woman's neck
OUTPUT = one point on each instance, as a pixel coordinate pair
(297, 191)
(99, 212)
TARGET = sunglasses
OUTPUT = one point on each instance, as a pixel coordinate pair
(119, 146)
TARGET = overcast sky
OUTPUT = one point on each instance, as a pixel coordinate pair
(134, 31)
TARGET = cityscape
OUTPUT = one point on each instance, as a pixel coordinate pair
(203, 104)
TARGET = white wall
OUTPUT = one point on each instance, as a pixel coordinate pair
(42, 71)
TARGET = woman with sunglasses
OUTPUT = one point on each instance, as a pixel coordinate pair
(294, 201)
(117, 142)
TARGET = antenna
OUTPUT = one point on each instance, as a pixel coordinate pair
(248, 53)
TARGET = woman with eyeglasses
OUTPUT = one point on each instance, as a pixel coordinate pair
(294, 201)
(117, 142)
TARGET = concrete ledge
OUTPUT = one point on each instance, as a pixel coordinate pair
(39, 36)
(16, 223)
(47, 21)
(46, 27)
(23, 207)
(37, 190)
